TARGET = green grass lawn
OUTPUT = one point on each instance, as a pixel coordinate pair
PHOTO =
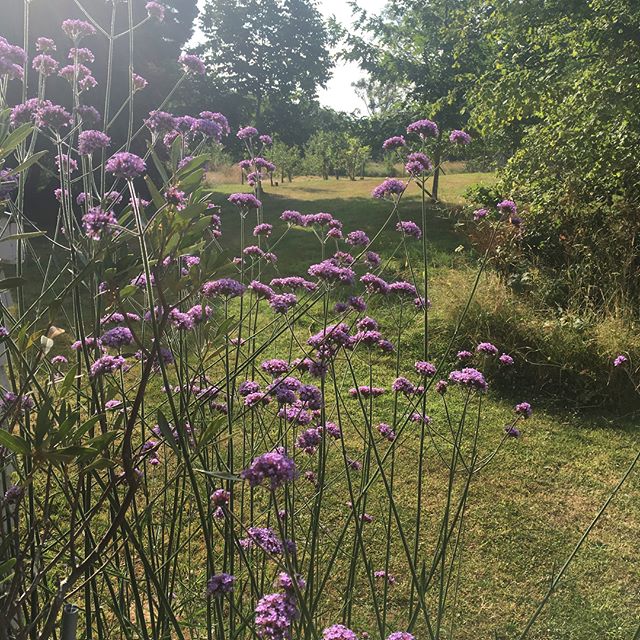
(529, 508)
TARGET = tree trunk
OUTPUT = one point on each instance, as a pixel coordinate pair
(437, 156)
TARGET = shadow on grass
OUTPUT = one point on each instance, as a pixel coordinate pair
(300, 247)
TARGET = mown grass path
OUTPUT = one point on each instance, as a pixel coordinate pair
(531, 505)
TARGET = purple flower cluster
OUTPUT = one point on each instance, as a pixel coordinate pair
(90, 141)
(459, 137)
(331, 272)
(391, 187)
(224, 287)
(408, 228)
(220, 584)
(275, 613)
(487, 349)
(524, 409)
(395, 142)
(244, 201)
(424, 128)
(273, 467)
(469, 377)
(107, 364)
(338, 632)
(192, 64)
(117, 337)
(620, 360)
(78, 29)
(96, 222)
(126, 165)
(155, 10)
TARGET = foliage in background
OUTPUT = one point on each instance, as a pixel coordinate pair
(567, 79)
(273, 54)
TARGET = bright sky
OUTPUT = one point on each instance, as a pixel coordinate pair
(339, 93)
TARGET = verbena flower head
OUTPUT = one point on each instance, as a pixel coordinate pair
(89, 114)
(425, 369)
(328, 271)
(523, 409)
(106, 364)
(620, 360)
(274, 468)
(126, 165)
(512, 431)
(338, 632)
(408, 228)
(424, 128)
(90, 141)
(266, 140)
(155, 10)
(224, 287)
(357, 239)
(96, 222)
(45, 64)
(8, 183)
(246, 133)
(44, 45)
(220, 584)
(78, 29)
(505, 359)
(192, 64)
(401, 635)
(459, 137)
(12, 59)
(138, 82)
(469, 377)
(507, 207)
(480, 214)
(52, 116)
(117, 337)
(391, 187)
(275, 613)
(244, 201)
(487, 348)
(395, 142)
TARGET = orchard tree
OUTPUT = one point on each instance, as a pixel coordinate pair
(428, 50)
(273, 51)
(287, 159)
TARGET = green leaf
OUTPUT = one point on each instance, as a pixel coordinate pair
(128, 291)
(156, 196)
(31, 160)
(100, 463)
(43, 423)
(5, 569)
(68, 380)
(14, 139)
(220, 474)
(14, 443)
(165, 430)
(210, 432)
(25, 236)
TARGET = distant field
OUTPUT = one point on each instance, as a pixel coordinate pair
(308, 188)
